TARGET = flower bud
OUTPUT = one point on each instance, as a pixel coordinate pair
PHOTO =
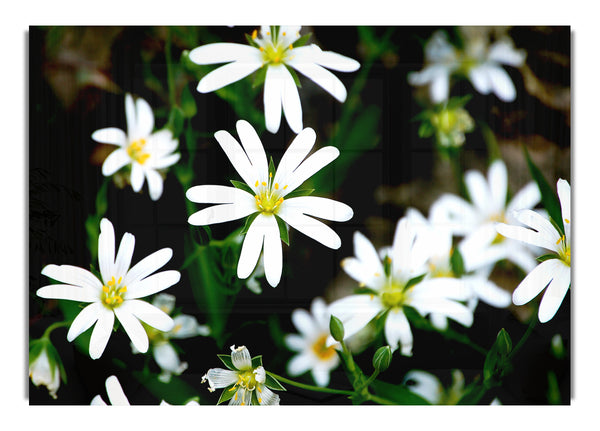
(382, 358)
(337, 328)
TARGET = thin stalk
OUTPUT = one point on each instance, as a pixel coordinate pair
(309, 387)
(524, 337)
(52, 327)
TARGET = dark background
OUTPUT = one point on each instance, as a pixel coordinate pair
(77, 80)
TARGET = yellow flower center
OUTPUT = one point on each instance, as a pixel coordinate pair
(269, 196)
(564, 252)
(113, 292)
(320, 348)
(394, 295)
(273, 50)
(135, 150)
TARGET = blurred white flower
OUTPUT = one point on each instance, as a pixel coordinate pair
(146, 152)
(273, 48)
(245, 382)
(43, 370)
(428, 387)
(313, 353)
(396, 281)
(163, 351)
(116, 294)
(480, 61)
(265, 196)
(554, 272)
(482, 247)
(116, 395)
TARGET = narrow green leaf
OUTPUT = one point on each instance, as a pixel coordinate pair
(257, 361)
(227, 394)
(248, 222)
(259, 77)
(458, 102)
(302, 40)
(549, 198)
(426, 129)
(299, 192)
(271, 168)
(456, 260)
(364, 291)
(226, 359)
(272, 383)
(415, 280)
(251, 41)
(283, 230)
(294, 75)
(548, 256)
(242, 186)
(397, 393)
(176, 391)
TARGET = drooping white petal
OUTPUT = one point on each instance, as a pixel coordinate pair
(268, 397)
(226, 75)
(220, 378)
(555, 293)
(252, 146)
(110, 135)
(313, 164)
(397, 332)
(133, 327)
(323, 208)
(355, 311)
(237, 156)
(155, 184)
(319, 75)
(241, 358)
(148, 265)
(84, 320)
(425, 385)
(321, 375)
(149, 314)
(440, 86)
(66, 291)
(137, 177)
(153, 284)
(536, 281)
(101, 332)
(106, 249)
(310, 227)
(215, 53)
(272, 97)
(115, 392)
(502, 84)
(73, 275)
(251, 247)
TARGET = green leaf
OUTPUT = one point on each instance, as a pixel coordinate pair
(549, 198)
(302, 40)
(283, 230)
(458, 102)
(242, 186)
(426, 129)
(299, 192)
(456, 260)
(176, 391)
(188, 104)
(227, 394)
(413, 281)
(473, 395)
(175, 122)
(257, 361)
(226, 359)
(336, 327)
(397, 393)
(259, 77)
(272, 383)
(248, 222)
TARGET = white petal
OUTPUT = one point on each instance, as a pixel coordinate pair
(313, 164)
(541, 224)
(115, 392)
(333, 60)
(498, 184)
(97, 401)
(252, 146)
(215, 53)
(502, 84)
(226, 75)
(304, 322)
(310, 227)
(187, 326)
(272, 252)
(294, 155)
(84, 320)
(223, 213)
(479, 191)
(71, 293)
(241, 358)
(130, 116)
(453, 213)
(526, 198)
(365, 252)
(294, 342)
(149, 314)
(453, 310)
(106, 249)
(490, 293)
(535, 281)
(133, 327)
(290, 100)
(442, 287)
(155, 184)
(110, 135)
(221, 378)
(166, 357)
(440, 88)
(299, 364)
(319, 75)
(323, 208)
(504, 52)
(209, 194)
(74, 275)
(355, 311)
(101, 332)
(268, 397)
(480, 79)
(321, 375)
(124, 255)
(425, 385)
(555, 293)
(148, 265)
(272, 97)
(397, 332)
(163, 162)
(238, 158)
(153, 284)
(564, 196)
(144, 118)
(137, 177)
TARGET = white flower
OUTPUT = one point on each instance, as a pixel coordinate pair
(245, 383)
(428, 387)
(314, 354)
(482, 247)
(389, 280)
(116, 293)
(274, 49)
(479, 61)
(146, 152)
(163, 351)
(265, 197)
(115, 393)
(553, 273)
(42, 372)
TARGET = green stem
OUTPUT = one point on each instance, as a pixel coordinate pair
(454, 156)
(380, 400)
(524, 337)
(309, 387)
(52, 327)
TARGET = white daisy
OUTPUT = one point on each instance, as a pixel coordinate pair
(163, 351)
(116, 293)
(265, 196)
(554, 272)
(388, 281)
(480, 61)
(482, 247)
(273, 48)
(313, 353)
(246, 382)
(116, 395)
(148, 153)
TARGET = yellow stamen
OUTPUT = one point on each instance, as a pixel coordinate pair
(111, 282)
(567, 220)
(235, 397)
(258, 389)
(283, 34)
(270, 174)
(377, 274)
(120, 279)
(263, 183)
(285, 187)
(560, 239)
(105, 289)
(243, 403)
(254, 34)
(261, 48)
(291, 46)
(256, 185)
(232, 389)
(260, 400)
(276, 186)
(123, 289)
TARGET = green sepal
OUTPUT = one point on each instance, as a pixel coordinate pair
(302, 40)
(458, 102)
(283, 230)
(248, 222)
(364, 291)
(35, 348)
(548, 256)
(415, 280)
(226, 359)
(250, 40)
(297, 193)
(242, 186)
(294, 75)
(226, 395)
(272, 383)
(259, 77)
(457, 262)
(497, 363)
(257, 361)
(271, 168)
(54, 359)
(426, 129)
